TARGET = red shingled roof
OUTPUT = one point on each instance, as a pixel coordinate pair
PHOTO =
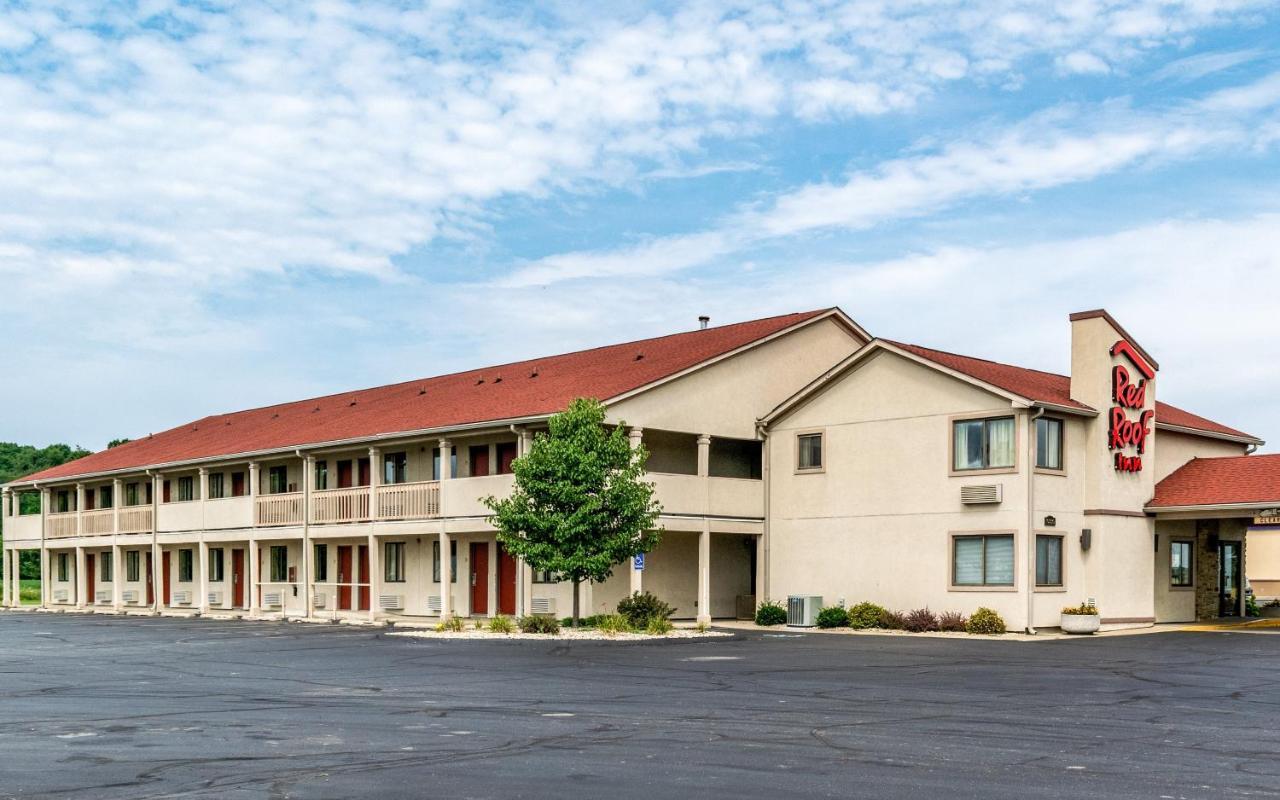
(1048, 387)
(1221, 481)
(511, 391)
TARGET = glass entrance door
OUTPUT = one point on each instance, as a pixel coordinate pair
(1228, 579)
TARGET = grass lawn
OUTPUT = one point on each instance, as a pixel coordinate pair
(28, 592)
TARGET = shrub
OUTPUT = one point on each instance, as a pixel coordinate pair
(702, 627)
(452, 624)
(613, 624)
(501, 624)
(641, 607)
(833, 617)
(1085, 609)
(865, 615)
(891, 620)
(771, 613)
(951, 621)
(583, 622)
(921, 620)
(536, 624)
(658, 626)
(984, 620)
(1251, 608)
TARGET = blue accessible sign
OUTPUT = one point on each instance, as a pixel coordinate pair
(638, 562)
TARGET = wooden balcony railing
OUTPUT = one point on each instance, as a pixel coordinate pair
(340, 505)
(61, 525)
(94, 523)
(135, 519)
(409, 500)
(279, 509)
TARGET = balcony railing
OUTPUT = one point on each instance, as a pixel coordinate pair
(135, 519)
(94, 523)
(279, 509)
(60, 525)
(409, 500)
(340, 505)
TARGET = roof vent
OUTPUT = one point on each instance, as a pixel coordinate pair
(314, 410)
(275, 416)
(639, 357)
(479, 381)
(498, 379)
(703, 322)
(422, 391)
(351, 404)
(533, 374)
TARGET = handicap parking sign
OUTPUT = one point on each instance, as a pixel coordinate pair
(639, 561)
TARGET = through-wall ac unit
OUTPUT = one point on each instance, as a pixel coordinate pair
(982, 495)
(60, 595)
(215, 598)
(433, 604)
(272, 599)
(102, 598)
(802, 610)
(543, 605)
(129, 596)
(391, 602)
(182, 598)
(319, 600)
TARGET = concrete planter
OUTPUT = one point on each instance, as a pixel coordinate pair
(1081, 623)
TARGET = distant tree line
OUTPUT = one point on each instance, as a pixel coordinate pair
(17, 460)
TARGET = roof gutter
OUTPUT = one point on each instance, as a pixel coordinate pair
(1226, 437)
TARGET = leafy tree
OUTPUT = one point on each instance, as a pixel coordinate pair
(117, 442)
(17, 460)
(579, 506)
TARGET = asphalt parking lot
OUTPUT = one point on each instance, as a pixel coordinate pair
(160, 707)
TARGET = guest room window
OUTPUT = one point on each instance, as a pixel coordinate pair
(983, 560)
(983, 443)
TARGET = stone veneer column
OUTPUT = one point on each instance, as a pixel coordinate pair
(1205, 565)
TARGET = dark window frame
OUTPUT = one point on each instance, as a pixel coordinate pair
(1044, 581)
(453, 561)
(393, 570)
(186, 565)
(278, 559)
(1190, 574)
(804, 453)
(217, 564)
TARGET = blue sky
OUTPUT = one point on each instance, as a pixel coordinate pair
(216, 206)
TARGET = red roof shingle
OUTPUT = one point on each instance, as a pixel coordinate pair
(511, 391)
(1231, 480)
(1048, 387)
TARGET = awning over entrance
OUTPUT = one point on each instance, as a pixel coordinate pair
(1239, 486)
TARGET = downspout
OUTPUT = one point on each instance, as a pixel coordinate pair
(1251, 449)
(1031, 518)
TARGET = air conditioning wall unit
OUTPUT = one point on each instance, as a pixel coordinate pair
(129, 596)
(102, 598)
(319, 600)
(982, 495)
(272, 599)
(215, 598)
(543, 605)
(802, 610)
(60, 595)
(433, 604)
(391, 602)
(182, 598)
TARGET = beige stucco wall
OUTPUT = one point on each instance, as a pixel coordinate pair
(1177, 449)
(1262, 562)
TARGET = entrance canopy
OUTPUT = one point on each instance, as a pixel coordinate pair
(1239, 486)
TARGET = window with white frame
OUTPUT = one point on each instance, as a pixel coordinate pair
(393, 562)
(1049, 432)
(186, 565)
(982, 560)
(133, 565)
(217, 563)
(64, 568)
(186, 489)
(1048, 560)
(217, 485)
(279, 563)
(453, 561)
(983, 443)
(107, 567)
(809, 451)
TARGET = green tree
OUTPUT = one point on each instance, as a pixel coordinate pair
(117, 442)
(580, 505)
(17, 460)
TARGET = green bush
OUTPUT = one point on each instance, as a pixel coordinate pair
(984, 620)
(833, 617)
(952, 621)
(1084, 609)
(501, 624)
(452, 624)
(771, 613)
(658, 626)
(892, 620)
(865, 615)
(613, 624)
(583, 622)
(536, 624)
(1251, 608)
(641, 607)
(921, 620)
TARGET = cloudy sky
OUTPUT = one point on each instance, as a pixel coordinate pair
(208, 207)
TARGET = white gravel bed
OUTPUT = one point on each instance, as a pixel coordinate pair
(565, 633)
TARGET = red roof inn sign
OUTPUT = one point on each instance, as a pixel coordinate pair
(1128, 394)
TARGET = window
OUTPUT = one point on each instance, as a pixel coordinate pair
(131, 494)
(278, 480)
(435, 561)
(133, 565)
(435, 462)
(984, 560)
(393, 562)
(63, 567)
(983, 443)
(1180, 574)
(217, 486)
(237, 484)
(89, 497)
(147, 492)
(322, 475)
(63, 502)
(186, 563)
(544, 576)
(186, 489)
(394, 468)
(107, 567)
(108, 496)
(1049, 443)
(809, 451)
(1048, 560)
(321, 563)
(279, 563)
(216, 563)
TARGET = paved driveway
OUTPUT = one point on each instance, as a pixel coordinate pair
(142, 707)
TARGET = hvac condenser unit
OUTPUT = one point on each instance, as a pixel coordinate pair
(543, 605)
(433, 604)
(182, 598)
(130, 596)
(102, 598)
(271, 599)
(802, 610)
(60, 595)
(215, 598)
(319, 600)
(982, 495)
(391, 602)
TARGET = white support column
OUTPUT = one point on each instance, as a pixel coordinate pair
(375, 473)
(525, 573)
(157, 576)
(704, 455)
(117, 577)
(495, 591)
(80, 577)
(44, 551)
(115, 508)
(203, 581)
(446, 574)
(79, 511)
(304, 568)
(636, 436)
(704, 573)
(6, 562)
(254, 490)
(374, 577)
(252, 555)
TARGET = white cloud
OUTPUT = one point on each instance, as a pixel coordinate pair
(1081, 62)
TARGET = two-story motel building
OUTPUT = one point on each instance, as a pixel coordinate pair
(791, 455)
